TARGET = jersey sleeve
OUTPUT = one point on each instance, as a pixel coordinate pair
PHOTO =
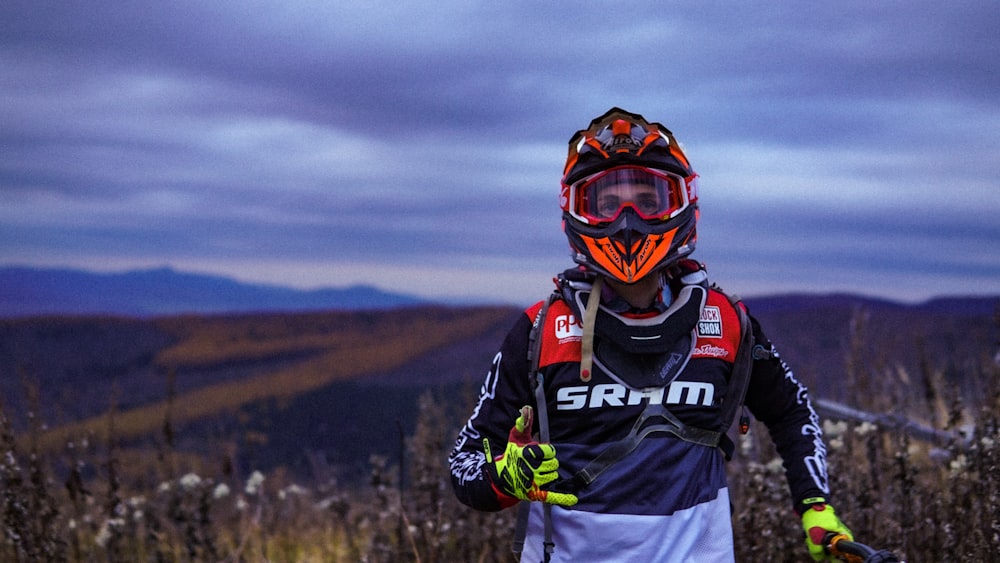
(505, 390)
(779, 400)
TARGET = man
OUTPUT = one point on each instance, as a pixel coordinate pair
(610, 415)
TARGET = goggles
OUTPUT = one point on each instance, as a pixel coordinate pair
(653, 194)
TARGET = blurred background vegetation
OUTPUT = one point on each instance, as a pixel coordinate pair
(323, 436)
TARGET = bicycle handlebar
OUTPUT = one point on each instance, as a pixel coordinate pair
(845, 549)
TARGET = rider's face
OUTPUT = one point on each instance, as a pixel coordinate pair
(643, 197)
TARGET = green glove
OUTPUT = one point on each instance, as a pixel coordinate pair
(819, 520)
(526, 466)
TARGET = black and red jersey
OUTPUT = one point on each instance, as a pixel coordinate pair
(666, 485)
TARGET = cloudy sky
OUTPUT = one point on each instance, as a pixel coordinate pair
(417, 146)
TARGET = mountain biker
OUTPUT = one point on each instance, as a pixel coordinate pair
(612, 415)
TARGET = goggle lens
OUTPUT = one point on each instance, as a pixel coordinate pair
(654, 195)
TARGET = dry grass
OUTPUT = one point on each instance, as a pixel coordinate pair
(84, 501)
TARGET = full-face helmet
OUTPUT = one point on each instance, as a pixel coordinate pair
(629, 197)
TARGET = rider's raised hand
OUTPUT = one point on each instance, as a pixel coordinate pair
(526, 466)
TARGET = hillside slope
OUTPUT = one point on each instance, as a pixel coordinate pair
(221, 371)
(297, 389)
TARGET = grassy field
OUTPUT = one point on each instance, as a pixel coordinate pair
(75, 493)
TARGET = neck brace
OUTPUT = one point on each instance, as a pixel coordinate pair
(644, 352)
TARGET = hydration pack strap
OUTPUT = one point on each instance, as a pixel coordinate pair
(543, 435)
(589, 321)
(740, 378)
(538, 385)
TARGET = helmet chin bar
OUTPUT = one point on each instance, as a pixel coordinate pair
(630, 248)
(627, 260)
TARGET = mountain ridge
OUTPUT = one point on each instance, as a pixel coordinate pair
(26, 291)
(164, 291)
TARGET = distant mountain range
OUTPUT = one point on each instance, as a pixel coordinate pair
(164, 291)
(27, 292)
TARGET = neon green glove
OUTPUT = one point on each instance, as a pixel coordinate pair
(526, 466)
(819, 520)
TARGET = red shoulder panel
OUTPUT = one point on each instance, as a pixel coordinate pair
(718, 329)
(561, 335)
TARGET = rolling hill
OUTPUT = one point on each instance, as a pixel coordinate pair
(294, 389)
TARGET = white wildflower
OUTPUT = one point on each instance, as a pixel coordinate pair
(104, 534)
(190, 481)
(746, 444)
(836, 444)
(834, 429)
(865, 428)
(254, 482)
(241, 504)
(221, 491)
(138, 515)
(958, 464)
(164, 487)
(775, 465)
(987, 443)
(292, 489)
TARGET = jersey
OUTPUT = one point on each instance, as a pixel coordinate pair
(667, 500)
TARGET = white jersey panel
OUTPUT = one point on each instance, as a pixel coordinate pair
(700, 534)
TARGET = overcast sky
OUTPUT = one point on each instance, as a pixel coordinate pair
(417, 146)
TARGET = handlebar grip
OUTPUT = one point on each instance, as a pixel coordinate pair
(840, 545)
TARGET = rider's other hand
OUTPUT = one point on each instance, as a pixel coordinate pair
(818, 520)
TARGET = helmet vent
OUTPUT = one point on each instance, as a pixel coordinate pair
(621, 140)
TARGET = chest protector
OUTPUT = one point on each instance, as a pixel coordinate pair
(647, 352)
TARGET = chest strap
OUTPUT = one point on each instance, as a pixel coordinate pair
(668, 423)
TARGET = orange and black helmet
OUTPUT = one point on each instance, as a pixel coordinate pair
(629, 197)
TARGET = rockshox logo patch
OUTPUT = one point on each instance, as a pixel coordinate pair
(710, 324)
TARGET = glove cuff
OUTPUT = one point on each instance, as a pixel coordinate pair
(809, 503)
(505, 500)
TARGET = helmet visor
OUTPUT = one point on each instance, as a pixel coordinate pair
(653, 194)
